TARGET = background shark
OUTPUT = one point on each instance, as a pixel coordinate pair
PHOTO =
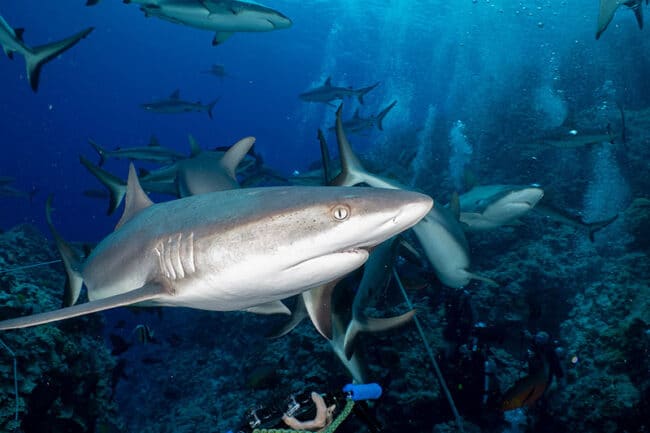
(328, 93)
(35, 57)
(224, 17)
(439, 232)
(487, 207)
(153, 152)
(357, 123)
(174, 104)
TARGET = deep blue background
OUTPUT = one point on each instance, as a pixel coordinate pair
(462, 60)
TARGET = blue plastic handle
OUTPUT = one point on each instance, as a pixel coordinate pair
(363, 391)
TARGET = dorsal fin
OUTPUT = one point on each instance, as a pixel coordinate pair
(235, 154)
(176, 94)
(136, 199)
(328, 82)
(195, 149)
(153, 141)
(19, 33)
(352, 171)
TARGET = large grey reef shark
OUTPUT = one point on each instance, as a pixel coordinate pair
(608, 8)
(224, 17)
(327, 93)
(357, 123)
(244, 249)
(174, 104)
(439, 232)
(35, 57)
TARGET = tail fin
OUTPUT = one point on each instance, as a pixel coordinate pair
(36, 57)
(638, 14)
(362, 92)
(116, 186)
(606, 14)
(599, 225)
(100, 151)
(372, 324)
(383, 114)
(211, 106)
(71, 261)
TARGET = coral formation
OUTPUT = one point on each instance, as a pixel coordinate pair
(64, 370)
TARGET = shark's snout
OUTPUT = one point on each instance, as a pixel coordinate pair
(280, 21)
(405, 210)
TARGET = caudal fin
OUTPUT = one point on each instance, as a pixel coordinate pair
(383, 114)
(372, 324)
(362, 92)
(100, 151)
(599, 225)
(606, 13)
(116, 186)
(211, 106)
(36, 57)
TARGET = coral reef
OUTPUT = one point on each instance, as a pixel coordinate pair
(64, 370)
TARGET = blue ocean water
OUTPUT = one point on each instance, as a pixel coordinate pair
(464, 59)
(510, 72)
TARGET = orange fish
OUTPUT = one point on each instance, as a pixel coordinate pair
(526, 390)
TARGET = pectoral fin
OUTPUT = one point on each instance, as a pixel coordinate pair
(276, 307)
(145, 293)
(318, 302)
(220, 37)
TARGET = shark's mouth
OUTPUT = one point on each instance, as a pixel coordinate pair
(331, 262)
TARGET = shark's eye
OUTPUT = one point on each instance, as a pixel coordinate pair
(341, 212)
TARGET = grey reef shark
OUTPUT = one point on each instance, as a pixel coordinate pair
(223, 17)
(608, 9)
(326, 93)
(243, 249)
(35, 57)
(487, 207)
(358, 124)
(6, 190)
(341, 333)
(154, 152)
(439, 232)
(204, 171)
(218, 71)
(174, 105)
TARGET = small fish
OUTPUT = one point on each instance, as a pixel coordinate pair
(143, 334)
(527, 390)
(120, 345)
